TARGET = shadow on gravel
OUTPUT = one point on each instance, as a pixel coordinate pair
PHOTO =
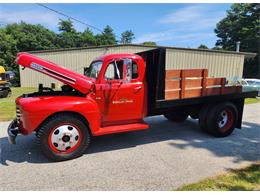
(242, 144)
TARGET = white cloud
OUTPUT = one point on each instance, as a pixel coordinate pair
(33, 16)
(197, 14)
(191, 23)
(186, 14)
(171, 35)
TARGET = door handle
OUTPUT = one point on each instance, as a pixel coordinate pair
(137, 88)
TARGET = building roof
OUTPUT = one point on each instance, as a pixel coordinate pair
(246, 54)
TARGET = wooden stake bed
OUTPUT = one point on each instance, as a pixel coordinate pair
(189, 83)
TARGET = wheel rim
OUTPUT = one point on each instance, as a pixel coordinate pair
(226, 120)
(64, 138)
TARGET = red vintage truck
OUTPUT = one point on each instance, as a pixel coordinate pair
(114, 95)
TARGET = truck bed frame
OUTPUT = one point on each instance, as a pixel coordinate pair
(186, 89)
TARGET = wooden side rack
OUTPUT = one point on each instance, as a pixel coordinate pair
(188, 83)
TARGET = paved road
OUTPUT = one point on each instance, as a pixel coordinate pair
(162, 158)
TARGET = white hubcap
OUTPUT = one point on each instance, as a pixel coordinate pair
(223, 119)
(64, 137)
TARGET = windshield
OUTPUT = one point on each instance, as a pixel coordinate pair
(94, 69)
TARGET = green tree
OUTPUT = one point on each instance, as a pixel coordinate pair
(242, 23)
(149, 43)
(66, 26)
(31, 37)
(202, 46)
(217, 48)
(23, 37)
(88, 38)
(68, 37)
(107, 37)
(127, 36)
(8, 50)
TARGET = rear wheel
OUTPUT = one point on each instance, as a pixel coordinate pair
(222, 119)
(63, 137)
(176, 116)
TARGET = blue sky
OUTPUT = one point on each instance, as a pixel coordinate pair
(180, 25)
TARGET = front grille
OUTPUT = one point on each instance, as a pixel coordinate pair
(18, 114)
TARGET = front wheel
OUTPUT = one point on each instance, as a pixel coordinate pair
(63, 137)
(222, 119)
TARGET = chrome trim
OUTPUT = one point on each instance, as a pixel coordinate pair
(13, 131)
(18, 115)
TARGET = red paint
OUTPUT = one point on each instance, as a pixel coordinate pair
(77, 81)
(109, 106)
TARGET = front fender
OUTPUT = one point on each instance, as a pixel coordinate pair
(34, 110)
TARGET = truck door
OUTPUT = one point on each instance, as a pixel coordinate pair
(122, 93)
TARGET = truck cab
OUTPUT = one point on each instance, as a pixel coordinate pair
(119, 88)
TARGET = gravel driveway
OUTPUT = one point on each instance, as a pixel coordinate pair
(164, 157)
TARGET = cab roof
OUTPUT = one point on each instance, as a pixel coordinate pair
(116, 56)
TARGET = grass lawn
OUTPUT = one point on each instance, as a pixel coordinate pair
(247, 178)
(7, 105)
(252, 100)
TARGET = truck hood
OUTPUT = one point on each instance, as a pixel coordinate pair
(66, 76)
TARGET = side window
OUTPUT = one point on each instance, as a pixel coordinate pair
(110, 72)
(135, 70)
(114, 70)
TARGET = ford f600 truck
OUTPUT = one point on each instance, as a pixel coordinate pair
(116, 93)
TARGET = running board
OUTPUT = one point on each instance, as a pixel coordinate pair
(122, 128)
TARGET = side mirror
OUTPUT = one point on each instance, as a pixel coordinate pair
(127, 70)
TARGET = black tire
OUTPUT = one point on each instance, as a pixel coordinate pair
(215, 119)
(203, 117)
(176, 116)
(48, 128)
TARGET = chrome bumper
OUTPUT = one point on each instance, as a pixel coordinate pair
(13, 131)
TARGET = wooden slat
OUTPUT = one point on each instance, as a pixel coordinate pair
(212, 91)
(193, 83)
(192, 93)
(183, 75)
(207, 86)
(170, 74)
(193, 72)
(172, 84)
(172, 95)
(232, 89)
(204, 81)
(214, 81)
